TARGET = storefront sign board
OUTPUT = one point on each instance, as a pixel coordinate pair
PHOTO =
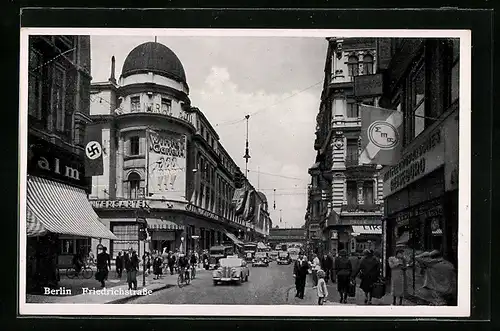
(415, 163)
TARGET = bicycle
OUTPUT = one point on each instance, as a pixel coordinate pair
(85, 271)
(183, 278)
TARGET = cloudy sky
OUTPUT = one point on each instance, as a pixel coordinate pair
(277, 80)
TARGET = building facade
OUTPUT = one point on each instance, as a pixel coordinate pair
(421, 78)
(60, 220)
(345, 197)
(163, 161)
(283, 236)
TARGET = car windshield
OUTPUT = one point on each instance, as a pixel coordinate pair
(283, 254)
(230, 262)
(261, 254)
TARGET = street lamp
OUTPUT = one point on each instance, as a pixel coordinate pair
(182, 243)
(195, 238)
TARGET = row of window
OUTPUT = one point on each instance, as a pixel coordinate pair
(353, 65)
(135, 104)
(414, 96)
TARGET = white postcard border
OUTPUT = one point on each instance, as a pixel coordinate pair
(464, 227)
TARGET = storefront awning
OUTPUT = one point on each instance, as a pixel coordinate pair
(233, 238)
(159, 224)
(62, 209)
(403, 239)
(366, 229)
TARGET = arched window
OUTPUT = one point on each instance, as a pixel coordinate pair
(368, 64)
(352, 65)
(134, 185)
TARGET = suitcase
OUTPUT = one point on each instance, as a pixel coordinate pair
(378, 290)
(351, 290)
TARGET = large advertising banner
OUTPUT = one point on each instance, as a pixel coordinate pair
(166, 165)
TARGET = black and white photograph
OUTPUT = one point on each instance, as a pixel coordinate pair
(244, 172)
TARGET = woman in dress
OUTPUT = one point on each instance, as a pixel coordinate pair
(398, 266)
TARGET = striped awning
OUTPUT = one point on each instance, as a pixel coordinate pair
(159, 224)
(34, 228)
(233, 238)
(366, 229)
(62, 209)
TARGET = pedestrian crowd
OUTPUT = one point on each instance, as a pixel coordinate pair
(439, 276)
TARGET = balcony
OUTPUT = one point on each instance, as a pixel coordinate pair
(364, 208)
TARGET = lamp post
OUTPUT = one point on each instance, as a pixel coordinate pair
(183, 250)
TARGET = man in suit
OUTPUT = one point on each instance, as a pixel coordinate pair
(327, 266)
(300, 269)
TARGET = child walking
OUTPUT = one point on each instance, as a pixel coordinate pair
(322, 290)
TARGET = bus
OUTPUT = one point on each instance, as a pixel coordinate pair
(249, 249)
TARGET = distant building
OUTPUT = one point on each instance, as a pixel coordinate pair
(345, 197)
(163, 161)
(277, 235)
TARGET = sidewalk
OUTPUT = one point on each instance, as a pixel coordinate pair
(118, 295)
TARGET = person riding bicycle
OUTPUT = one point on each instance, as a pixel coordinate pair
(183, 264)
(77, 262)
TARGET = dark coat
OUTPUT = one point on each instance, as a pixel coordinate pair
(370, 272)
(327, 264)
(119, 262)
(103, 261)
(300, 269)
(343, 267)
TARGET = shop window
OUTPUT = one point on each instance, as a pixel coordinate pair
(57, 101)
(135, 104)
(166, 106)
(415, 116)
(455, 70)
(352, 194)
(352, 152)
(352, 110)
(127, 235)
(368, 64)
(352, 66)
(134, 145)
(67, 246)
(134, 185)
(207, 197)
(202, 193)
(35, 79)
(368, 193)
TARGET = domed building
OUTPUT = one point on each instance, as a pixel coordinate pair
(163, 164)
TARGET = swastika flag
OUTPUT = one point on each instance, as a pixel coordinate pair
(93, 151)
(381, 135)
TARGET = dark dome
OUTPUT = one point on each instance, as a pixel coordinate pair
(154, 57)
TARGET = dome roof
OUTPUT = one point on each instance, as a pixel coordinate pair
(154, 57)
(262, 197)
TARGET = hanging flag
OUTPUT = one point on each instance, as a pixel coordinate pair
(239, 200)
(249, 211)
(381, 135)
(93, 151)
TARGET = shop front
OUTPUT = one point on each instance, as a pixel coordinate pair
(421, 201)
(171, 225)
(366, 237)
(60, 221)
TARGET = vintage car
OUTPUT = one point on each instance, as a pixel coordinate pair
(284, 258)
(231, 269)
(217, 253)
(260, 259)
(273, 255)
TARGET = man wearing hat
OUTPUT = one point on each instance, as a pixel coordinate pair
(103, 266)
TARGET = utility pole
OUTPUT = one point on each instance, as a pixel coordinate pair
(258, 178)
(274, 204)
(247, 151)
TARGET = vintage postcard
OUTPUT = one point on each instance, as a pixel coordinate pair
(225, 172)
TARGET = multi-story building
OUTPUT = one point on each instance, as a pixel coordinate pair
(60, 220)
(421, 78)
(345, 198)
(163, 161)
(295, 235)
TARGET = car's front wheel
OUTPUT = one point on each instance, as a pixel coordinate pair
(241, 279)
(215, 283)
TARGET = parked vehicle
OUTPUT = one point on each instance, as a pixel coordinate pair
(260, 259)
(217, 253)
(232, 269)
(284, 258)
